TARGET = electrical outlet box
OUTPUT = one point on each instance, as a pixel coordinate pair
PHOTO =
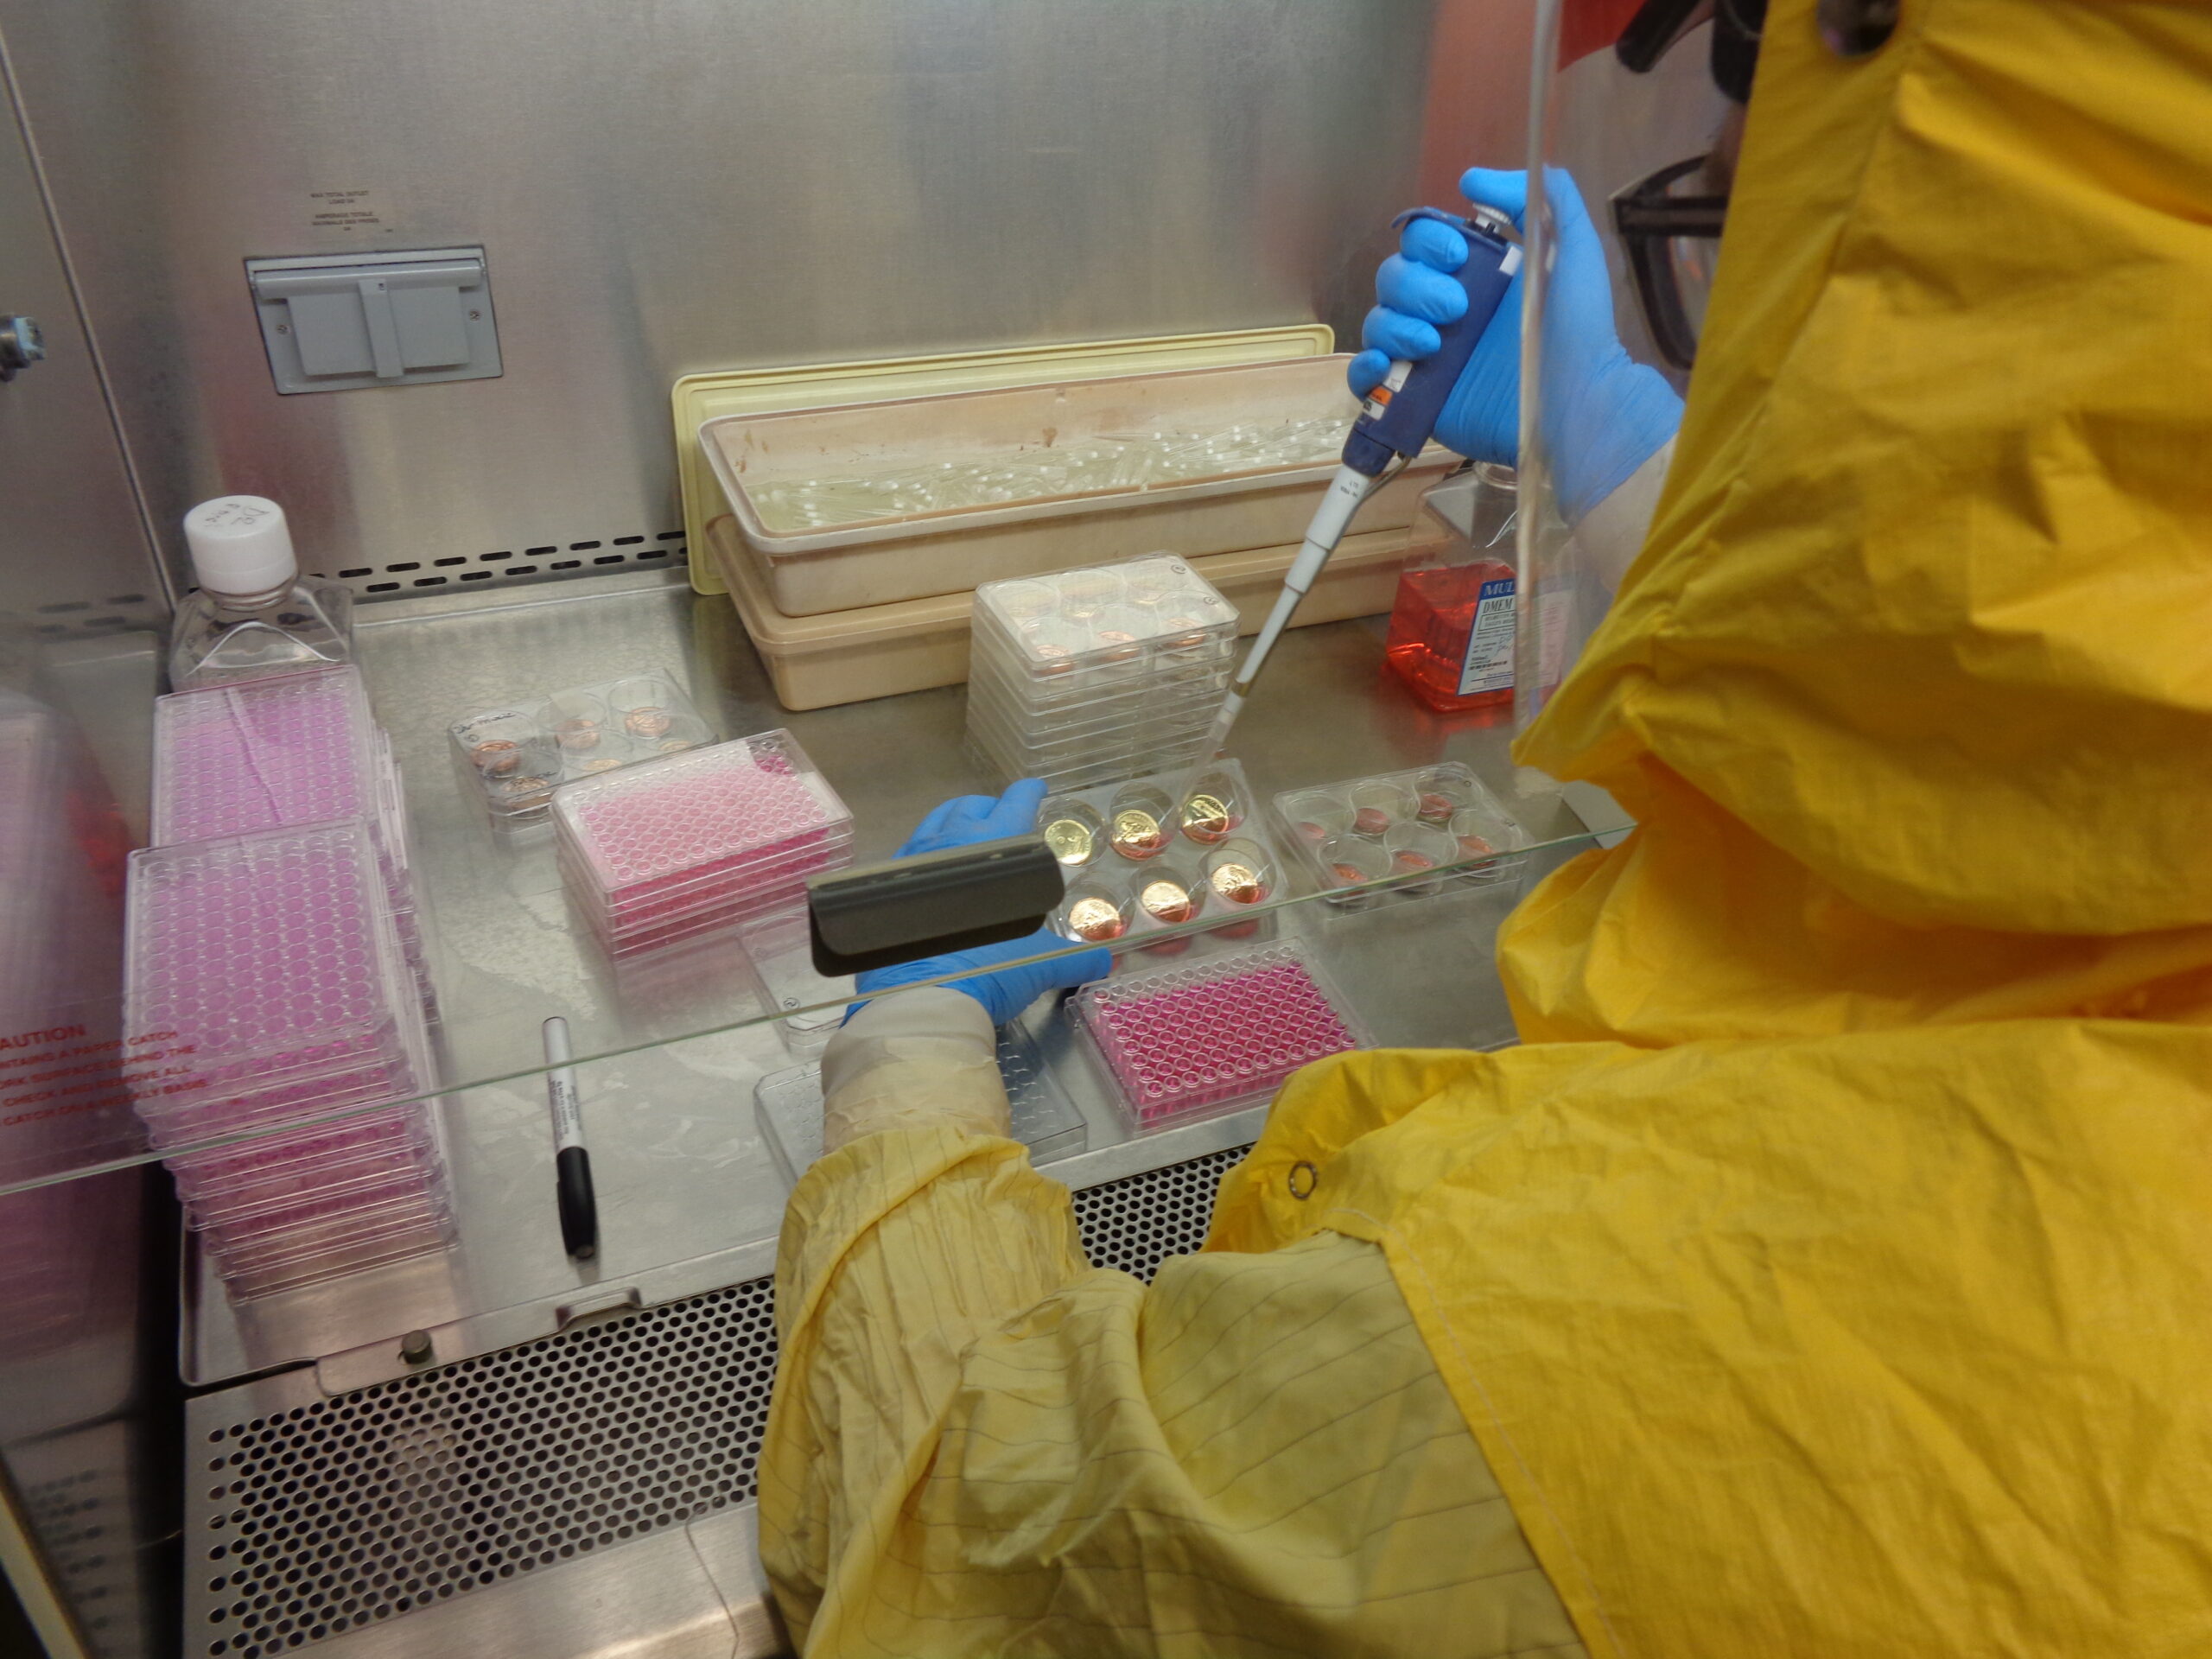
(341, 323)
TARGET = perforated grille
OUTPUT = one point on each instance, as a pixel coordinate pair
(511, 566)
(344, 1512)
(1137, 1223)
(110, 613)
(339, 1513)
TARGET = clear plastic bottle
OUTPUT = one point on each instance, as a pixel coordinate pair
(254, 614)
(1452, 628)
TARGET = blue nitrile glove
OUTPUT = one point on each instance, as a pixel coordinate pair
(1605, 413)
(961, 822)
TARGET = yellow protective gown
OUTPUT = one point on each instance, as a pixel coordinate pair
(1910, 687)
(1844, 1286)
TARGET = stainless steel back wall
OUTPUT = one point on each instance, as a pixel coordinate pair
(670, 185)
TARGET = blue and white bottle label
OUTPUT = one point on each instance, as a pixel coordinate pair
(1489, 663)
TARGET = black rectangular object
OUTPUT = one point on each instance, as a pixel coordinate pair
(905, 909)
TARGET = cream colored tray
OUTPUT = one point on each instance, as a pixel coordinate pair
(915, 554)
(880, 651)
(698, 398)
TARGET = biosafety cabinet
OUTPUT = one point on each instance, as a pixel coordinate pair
(459, 287)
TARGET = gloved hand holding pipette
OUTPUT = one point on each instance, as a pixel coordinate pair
(1605, 414)
(1442, 358)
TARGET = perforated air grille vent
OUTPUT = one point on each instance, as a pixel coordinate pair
(511, 566)
(110, 613)
(1137, 1223)
(341, 1513)
(346, 1512)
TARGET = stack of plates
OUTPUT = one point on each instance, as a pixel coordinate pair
(670, 849)
(293, 749)
(266, 972)
(1089, 675)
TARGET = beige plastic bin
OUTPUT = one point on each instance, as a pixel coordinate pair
(912, 644)
(918, 556)
(698, 398)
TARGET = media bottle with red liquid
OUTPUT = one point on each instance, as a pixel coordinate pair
(1452, 628)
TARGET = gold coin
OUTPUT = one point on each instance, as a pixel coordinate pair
(1238, 883)
(1095, 921)
(1136, 834)
(647, 721)
(1167, 901)
(1069, 839)
(1205, 817)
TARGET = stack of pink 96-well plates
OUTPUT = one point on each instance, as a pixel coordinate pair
(267, 971)
(670, 850)
(1212, 1035)
(291, 749)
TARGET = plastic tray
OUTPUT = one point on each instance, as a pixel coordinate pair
(212, 1191)
(810, 1007)
(191, 1117)
(260, 754)
(1118, 622)
(1108, 875)
(727, 878)
(1127, 744)
(246, 1284)
(1204, 1037)
(698, 398)
(1089, 767)
(657, 826)
(644, 938)
(306, 1260)
(788, 1107)
(1196, 693)
(272, 954)
(290, 749)
(311, 1233)
(577, 731)
(884, 560)
(1099, 672)
(882, 651)
(276, 1157)
(361, 1190)
(1385, 824)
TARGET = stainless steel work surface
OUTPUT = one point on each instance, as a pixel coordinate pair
(507, 953)
(684, 1180)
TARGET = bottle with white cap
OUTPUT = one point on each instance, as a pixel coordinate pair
(254, 614)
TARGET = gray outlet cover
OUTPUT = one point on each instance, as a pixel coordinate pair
(338, 323)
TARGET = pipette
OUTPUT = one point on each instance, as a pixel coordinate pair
(1394, 426)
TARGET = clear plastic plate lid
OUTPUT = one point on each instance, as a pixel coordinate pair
(272, 954)
(290, 749)
(1101, 614)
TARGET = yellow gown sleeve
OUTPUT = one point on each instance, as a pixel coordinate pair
(979, 1445)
